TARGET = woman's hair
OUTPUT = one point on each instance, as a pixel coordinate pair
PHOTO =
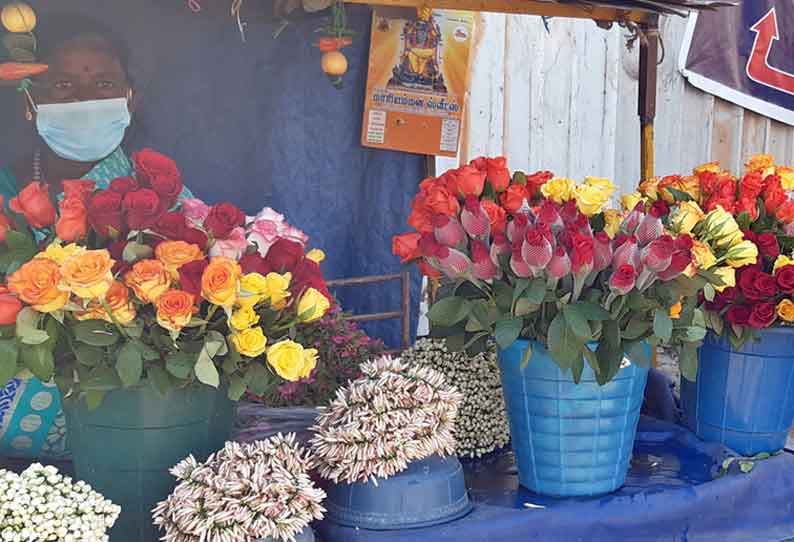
(56, 30)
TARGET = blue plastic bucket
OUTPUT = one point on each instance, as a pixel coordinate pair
(569, 439)
(743, 399)
(429, 492)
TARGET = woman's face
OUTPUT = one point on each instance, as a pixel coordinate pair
(83, 69)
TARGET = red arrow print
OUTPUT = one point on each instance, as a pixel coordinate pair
(758, 68)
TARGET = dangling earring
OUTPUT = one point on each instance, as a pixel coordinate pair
(28, 114)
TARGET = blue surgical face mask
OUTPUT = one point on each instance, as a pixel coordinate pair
(83, 131)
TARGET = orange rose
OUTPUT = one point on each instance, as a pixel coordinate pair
(149, 279)
(37, 284)
(220, 283)
(427, 270)
(5, 222)
(73, 223)
(175, 309)
(406, 246)
(33, 202)
(89, 274)
(80, 189)
(496, 214)
(175, 254)
(117, 300)
(421, 220)
(470, 181)
(513, 198)
(441, 202)
(10, 305)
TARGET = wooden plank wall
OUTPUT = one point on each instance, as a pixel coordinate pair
(566, 100)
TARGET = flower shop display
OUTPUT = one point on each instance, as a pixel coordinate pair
(386, 446)
(575, 296)
(260, 491)
(151, 314)
(40, 505)
(742, 395)
(481, 426)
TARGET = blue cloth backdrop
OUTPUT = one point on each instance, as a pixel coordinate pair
(258, 123)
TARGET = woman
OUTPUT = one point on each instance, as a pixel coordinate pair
(81, 109)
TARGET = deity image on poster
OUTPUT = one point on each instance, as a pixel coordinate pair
(419, 66)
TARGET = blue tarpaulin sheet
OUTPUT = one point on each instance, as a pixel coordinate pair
(671, 495)
(258, 123)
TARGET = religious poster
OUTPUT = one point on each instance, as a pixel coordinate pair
(745, 55)
(418, 80)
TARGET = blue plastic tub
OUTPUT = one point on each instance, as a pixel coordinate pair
(743, 399)
(429, 492)
(569, 440)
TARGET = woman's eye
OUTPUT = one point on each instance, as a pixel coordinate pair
(105, 85)
(62, 85)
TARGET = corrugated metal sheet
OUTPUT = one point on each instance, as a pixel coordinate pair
(566, 100)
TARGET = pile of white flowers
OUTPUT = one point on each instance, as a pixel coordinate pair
(482, 425)
(42, 505)
(393, 415)
(245, 492)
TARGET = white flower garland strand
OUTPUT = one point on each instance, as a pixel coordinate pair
(242, 493)
(393, 415)
(482, 425)
(42, 505)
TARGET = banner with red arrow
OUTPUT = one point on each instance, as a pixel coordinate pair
(745, 55)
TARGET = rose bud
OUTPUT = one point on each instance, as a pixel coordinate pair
(448, 231)
(650, 228)
(517, 263)
(658, 255)
(569, 213)
(428, 246)
(483, 267)
(536, 249)
(517, 227)
(583, 225)
(678, 263)
(453, 263)
(474, 219)
(582, 254)
(626, 253)
(602, 252)
(560, 264)
(499, 247)
(623, 279)
(550, 215)
(634, 218)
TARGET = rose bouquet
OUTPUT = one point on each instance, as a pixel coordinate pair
(750, 223)
(129, 284)
(539, 257)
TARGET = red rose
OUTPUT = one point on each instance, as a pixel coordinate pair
(749, 206)
(116, 250)
(723, 299)
(406, 246)
(190, 276)
(79, 189)
(678, 263)
(151, 165)
(498, 174)
(684, 242)
(762, 315)
(660, 208)
(785, 278)
(496, 214)
(104, 213)
(774, 200)
(756, 285)
(513, 198)
(751, 186)
(284, 255)
(439, 200)
(169, 188)
(582, 252)
(536, 180)
(427, 270)
(223, 218)
(480, 163)
(623, 279)
(750, 236)
(142, 209)
(768, 245)
(738, 315)
(785, 213)
(307, 274)
(470, 181)
(172, 226)
(124, 185)
(254, 263)
(196, 237)
(428, 246)
(658, 254)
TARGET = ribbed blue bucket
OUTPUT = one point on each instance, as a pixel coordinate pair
(743, 399)
(569, 440)
(429, 492)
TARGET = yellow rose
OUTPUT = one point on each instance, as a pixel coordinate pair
(38, 283)
(220, 283)
(253, 289)
(278, 289)
(686, 216)
(273, 288)
(675, 311)
(243, 318)
(175, 254)
(704, 257)
(117, 300)
(760, 162)
(59, 253)
(743, 253)
(288, 359)
(630, 201)
(250, 342)
(88, 274)
(728, 276)
(711, 167)
(785, 309)
(722, 227)
(309, 362)
(316, 255)
(782, 261)
(590, 199)
(601, 182)
(786, 175)
(612, 222)
(687, 185)
(312, 306)
(648, 188)
(558, 189)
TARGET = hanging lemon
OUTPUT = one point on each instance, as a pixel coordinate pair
(18, 17)
(334, 63)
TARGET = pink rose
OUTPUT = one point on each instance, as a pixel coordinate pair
(263, 233)
(232, 247)
(195, 210)
(268, 214)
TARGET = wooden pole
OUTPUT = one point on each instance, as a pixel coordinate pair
(649, 51)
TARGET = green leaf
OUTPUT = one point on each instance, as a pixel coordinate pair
(592, 360)
(694, 333)
(609, 352)
(592, 311)
(709, 292)
(519, 288)
(537, 291)
(95, 333)
(636, 328)
(524, 307)
(639, 354)
(526, 356)
(159, 379)
(129, 365)
(180, 364)
(39, 360)
(662, 325)
(564, 347)
(206, 371)
(744, 220)
(504, 295)
(258, 379)
(688, 361)
(9, 352)
(519, 177)
(578, 368)
(20, 249)
(448, 311)
(456, 342)
(761, 456)
(507, 331)
(678, 195)
(726, 463)
(577, 322)
(745, 466)
(93, 399)
(101, 379)
(28, 322)
(236, 387)
(135, 251)
(87, 355)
